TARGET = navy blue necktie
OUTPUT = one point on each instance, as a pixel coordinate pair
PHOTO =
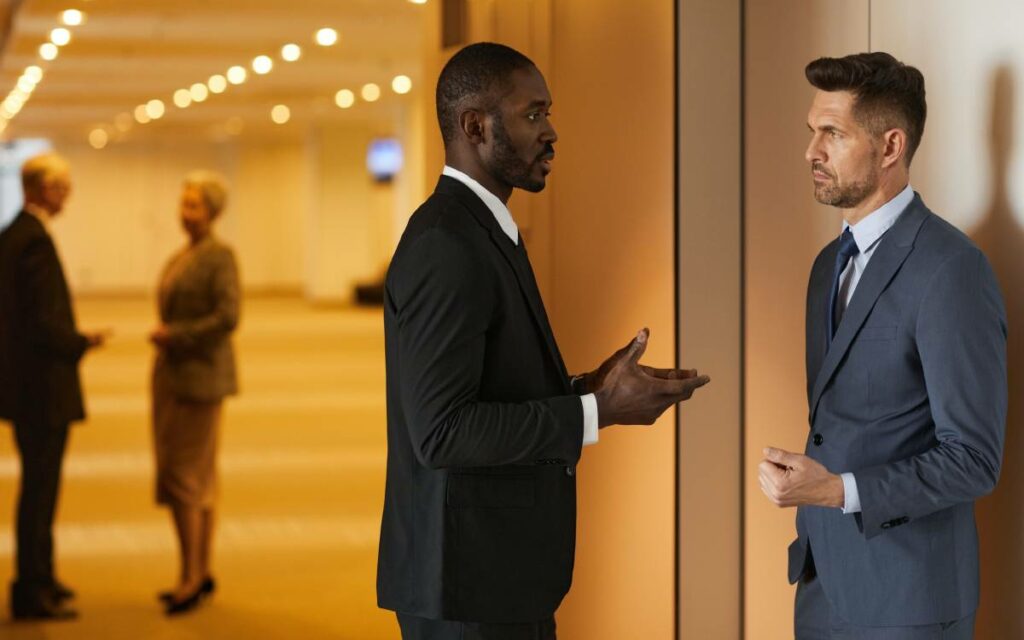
(847, 249)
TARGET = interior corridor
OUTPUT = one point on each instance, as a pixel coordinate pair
(301, 461)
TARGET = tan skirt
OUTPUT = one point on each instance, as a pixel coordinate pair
(185, 435)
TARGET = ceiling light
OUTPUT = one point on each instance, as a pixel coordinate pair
(291, 52)
(123, 122)
(326, 37)
(48, 51)
(418, 1)
(98, 138)
(370, 92)
(155, 109)
(26, 86)
(72, 17)
(199, 92)
(401, 84)
(280, 114)
(140, 114)
(344, 98)
(237, 75)
(262, 64)
(33, 73)
(182, 98)
(217, 83)
(60, 36)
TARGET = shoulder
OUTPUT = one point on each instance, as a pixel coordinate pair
(940, 245)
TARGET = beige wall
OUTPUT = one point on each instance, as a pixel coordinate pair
(303, 214)
(785, 229)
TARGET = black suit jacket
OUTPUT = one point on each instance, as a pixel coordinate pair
(483, 427)
(39, 345)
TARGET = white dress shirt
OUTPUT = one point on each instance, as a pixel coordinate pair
(508, 225)
(867, 233)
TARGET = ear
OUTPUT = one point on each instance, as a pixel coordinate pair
(471, 122)
(894, 147)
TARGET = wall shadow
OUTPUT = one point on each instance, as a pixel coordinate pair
(1000, 517)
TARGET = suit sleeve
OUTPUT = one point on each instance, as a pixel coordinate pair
(445, 301)
(42, 278)
(961, 340)
(223, 317)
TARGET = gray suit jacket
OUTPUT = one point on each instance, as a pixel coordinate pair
(200, 307)
(910, 398)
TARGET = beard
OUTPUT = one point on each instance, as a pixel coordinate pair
(506, 165)
(846, 196)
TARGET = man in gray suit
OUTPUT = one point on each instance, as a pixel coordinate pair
(906, 380)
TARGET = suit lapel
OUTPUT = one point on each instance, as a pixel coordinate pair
(892, 251)
(517, 261)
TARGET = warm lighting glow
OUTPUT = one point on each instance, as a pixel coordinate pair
(155, 109)
(401, 84)
(72, 17)
(123, 122)
(217, 83)
(344, 98)
(280, 114)
(60, 36)
(98, 138)
(199, 92)
(370, 92)
(182, 98)
(12, 106)
(418, 1)
(48, 51)
(34, 74)
(326, 37)
(262, 64)
(26, 86)
(237, 75)
(234, 125)
(140, 114)
(291, 52)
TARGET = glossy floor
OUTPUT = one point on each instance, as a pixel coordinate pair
(302, 476)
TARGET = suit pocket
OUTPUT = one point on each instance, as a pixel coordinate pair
(877, 334)
(490, 491)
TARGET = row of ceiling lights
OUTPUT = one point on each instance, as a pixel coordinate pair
(33, 74)
(199, 92)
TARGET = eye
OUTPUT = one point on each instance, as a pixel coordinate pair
(538, 115)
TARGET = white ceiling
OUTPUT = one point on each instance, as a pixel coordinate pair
(131, 51)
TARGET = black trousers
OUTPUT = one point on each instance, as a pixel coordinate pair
(414, 628)
(42, 453)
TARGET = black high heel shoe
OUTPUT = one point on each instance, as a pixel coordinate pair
(191, 602)
(208, 587)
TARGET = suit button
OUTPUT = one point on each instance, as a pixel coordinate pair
(818, 439)
(887, 525)
(570, 471)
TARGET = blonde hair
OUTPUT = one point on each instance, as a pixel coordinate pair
(40, 169)
(213, 186)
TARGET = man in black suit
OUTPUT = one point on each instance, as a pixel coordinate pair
(485, 426)
(40, 393)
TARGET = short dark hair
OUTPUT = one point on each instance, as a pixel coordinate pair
(888, 94)
(476, 71)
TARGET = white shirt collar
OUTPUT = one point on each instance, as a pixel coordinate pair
(873, 226)
(497, 207)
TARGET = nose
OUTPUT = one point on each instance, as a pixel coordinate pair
(814, 152)
(550, 136)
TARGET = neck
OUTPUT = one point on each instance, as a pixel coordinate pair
(38, 209)
(197, 238)
(472, 168)
(888, 188)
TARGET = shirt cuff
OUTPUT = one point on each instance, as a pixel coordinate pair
(590, 426)
(851, 500)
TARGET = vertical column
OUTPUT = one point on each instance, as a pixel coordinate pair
(710, 315)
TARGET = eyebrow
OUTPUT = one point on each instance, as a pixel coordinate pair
(539, 103)
(825, 128)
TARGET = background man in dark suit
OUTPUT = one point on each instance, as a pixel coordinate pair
(485, 426)
(906, 380)
(40, 392)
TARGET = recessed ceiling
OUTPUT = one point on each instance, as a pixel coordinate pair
(131, 51)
